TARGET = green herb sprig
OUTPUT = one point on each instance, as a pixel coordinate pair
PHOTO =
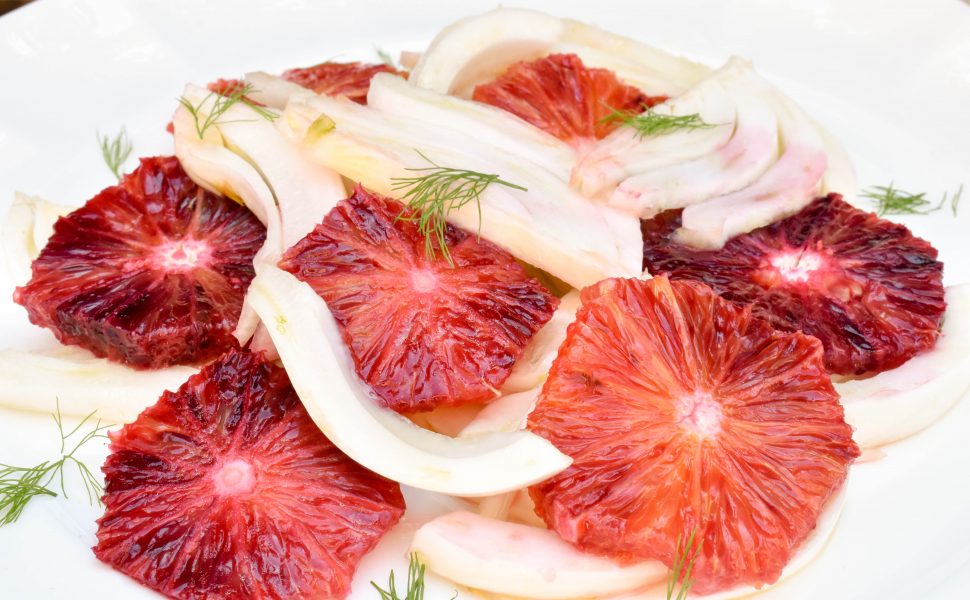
(437, 192)
(386, 58)
(892, 201)
(415, 583)
(115, 151)
(19, 485)
(680, 573)
(223, 102)
(648, 122)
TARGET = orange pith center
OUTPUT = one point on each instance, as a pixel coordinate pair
(234, 478)
(182, 255)
(797, 266)
(423, 280)
(700, 413)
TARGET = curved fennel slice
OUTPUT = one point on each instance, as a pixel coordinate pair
(638, 74)
(479, 48)
(625, 152)
(677, 72)
(216, 168)
(509, 412)
(79, 383)
(809, 550)
(303, 192)
(898, 403)
(252, 161)
(321, 370)
(392, 95)
(271, 90)
(531, 368)
(784, 189)
(548, 225)
(751, 151)
(522, 561)
(27, 226)
(840, 175)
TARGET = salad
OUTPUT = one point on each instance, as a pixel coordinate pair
(627, 311)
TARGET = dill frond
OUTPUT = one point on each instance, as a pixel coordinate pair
(221, 104)
(649, 123)
(438, 191)
(19, 485)
(889, 200)
(680, 573)
(115, 151)
(415, 583)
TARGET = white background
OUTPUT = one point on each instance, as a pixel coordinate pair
(889, 78)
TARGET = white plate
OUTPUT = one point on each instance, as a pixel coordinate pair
(891, 78)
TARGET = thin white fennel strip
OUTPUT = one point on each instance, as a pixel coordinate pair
(27, 226)
(531, 368)
(81, 383)
(478, 48)
(898, 403)
(785, 188)
(216, 168)
(751, 151)
(321, 370)
(808, 551)
(625, 152)
(509, 412)
(302, 191)
(840, 175)
(393, 95)
(245, 156)
(547, 225)
(522, 561)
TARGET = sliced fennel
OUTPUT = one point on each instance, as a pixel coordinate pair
(216, 168)
(510, 412)
(479, 48)
(676, 72)
(809, 550)
(752, 149)
(519, 560)
(27, 226)
(393, 95)
(301, 190)
(313, 352)
(82, 383)
(784, 189)
(903, 401)
(840, 175)
(245, 157)
(271, 90)
(639, 75)
(549, 226)
(531, 368)
(624, 153)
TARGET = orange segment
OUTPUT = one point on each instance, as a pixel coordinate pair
(351, 80)
(563, 97)
(682, 411)
(422, 333)
(868, 289)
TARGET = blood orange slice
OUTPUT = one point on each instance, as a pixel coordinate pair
(422, 333)
(226, 489)
(563, 97)
(683, 412)
(866, 287)
(150, 272)
(351, 80)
